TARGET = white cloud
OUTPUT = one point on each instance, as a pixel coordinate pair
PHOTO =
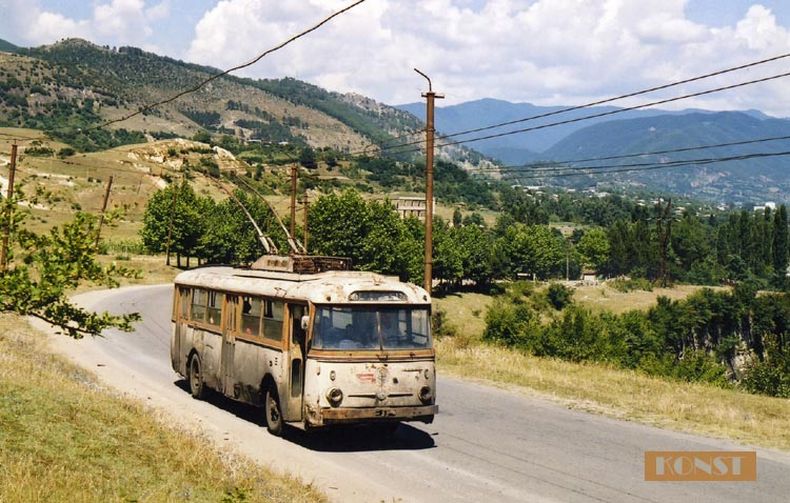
(544, 51)
(117, 22)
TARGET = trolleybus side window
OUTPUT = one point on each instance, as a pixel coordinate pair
(198, 312)
(251, 316)
(214, 308)
(273, 320)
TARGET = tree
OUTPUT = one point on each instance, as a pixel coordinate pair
(173, 212)
(477, 252)
(307, 158)
(229, 237)
(457, 217)
(448, 262)
(44, 268)
(780, 245)
(594, 247)
(535, 249)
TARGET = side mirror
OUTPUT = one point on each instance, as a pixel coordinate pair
(305, 322)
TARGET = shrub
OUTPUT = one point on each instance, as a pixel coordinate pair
(559, 295)
(625, 285)
(769, 377)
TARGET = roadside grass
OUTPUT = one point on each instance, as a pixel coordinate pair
(64, 438)
(691, 407)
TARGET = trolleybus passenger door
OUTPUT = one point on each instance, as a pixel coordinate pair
(180, 316)
(296, 341)
(229, 328)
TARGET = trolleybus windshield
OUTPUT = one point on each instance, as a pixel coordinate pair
(371, 327)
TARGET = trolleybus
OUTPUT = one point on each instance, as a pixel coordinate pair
(309, 341)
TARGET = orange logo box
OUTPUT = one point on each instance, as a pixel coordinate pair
(700, 466)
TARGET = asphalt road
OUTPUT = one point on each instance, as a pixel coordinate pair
(486, 444)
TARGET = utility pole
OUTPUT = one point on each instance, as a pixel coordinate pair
(664, 237)
(430, 96)
(172, 218)
(304, 201)
(294, 171)
(8, 214)
(103, 210)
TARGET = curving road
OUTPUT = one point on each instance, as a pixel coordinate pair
(486, 443)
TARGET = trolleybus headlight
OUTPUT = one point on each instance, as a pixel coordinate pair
(426, 395)
(335, 396)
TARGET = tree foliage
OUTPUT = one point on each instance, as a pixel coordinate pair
(44, 268)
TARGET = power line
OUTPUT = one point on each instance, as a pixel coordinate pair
(592, 171)
(593, 103)
(235, 68)
(211, 78)
(539, 164)
(609, 113)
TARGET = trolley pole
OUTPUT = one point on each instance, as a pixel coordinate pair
(305, 220)
(103, 210)
(8, 214)
(430, 96)
(294, 171)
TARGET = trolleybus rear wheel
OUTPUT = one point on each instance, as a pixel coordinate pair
(196, 386)
(274, 417)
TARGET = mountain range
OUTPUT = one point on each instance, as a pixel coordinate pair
(634, 131)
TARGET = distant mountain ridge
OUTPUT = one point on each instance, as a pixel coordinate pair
(524, 147)
(637, 131)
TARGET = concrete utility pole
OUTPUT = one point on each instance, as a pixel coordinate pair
(103, 210)
(294, 171)
(8, 214)
(430, 96)
(305, 203)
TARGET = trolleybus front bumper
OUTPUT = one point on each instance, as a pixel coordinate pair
(338, 415)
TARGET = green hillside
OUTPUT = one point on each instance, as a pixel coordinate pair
(69, 86)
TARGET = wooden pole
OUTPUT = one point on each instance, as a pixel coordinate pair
(305, 221)
(293, 200)
(170, 223)
(103, 210)
(430, 96)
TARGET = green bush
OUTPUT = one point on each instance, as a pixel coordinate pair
(559, 295)
(769, 377)
(629, 285)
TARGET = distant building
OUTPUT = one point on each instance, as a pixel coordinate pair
(589, 276)
(410, 206)
(769, 205)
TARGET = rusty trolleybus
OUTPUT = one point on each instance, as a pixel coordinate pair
(312, 342)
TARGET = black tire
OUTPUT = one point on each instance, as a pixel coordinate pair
(197, 386)
(274, 416)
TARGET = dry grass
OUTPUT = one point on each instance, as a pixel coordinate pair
(604, 298)
(696, 408)
(692, 407)
(64, 438)
(467, 310)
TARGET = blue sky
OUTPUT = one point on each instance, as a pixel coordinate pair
(542, 51)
